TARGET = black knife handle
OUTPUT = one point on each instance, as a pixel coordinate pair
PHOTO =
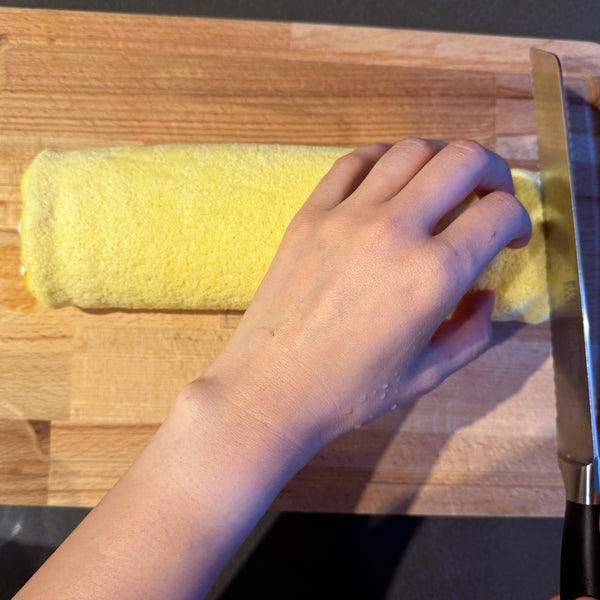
(580, 555)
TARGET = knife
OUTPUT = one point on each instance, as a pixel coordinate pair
(574, 367)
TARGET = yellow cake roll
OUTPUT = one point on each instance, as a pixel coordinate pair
(196, 226)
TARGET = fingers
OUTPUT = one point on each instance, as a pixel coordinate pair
(459, 340)
(482, 231)
(345, 176)
(396, 168)
(474, 238)
(374, 173)
(496, 214)
(447, 179)
(417, 182)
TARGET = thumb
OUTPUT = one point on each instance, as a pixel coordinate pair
(460, 339)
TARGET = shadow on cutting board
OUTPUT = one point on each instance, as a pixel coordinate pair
(369, 448)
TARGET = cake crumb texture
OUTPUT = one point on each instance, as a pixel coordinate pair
(195, 227)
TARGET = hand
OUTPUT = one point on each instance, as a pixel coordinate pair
(349, 320)
(350, 317)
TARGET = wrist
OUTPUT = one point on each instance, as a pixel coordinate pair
(266, 400)
(219, 420)
(225, 467)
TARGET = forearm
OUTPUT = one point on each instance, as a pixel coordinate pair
(347, 323)
(175, 518)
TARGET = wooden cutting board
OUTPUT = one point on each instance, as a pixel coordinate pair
(82, 392)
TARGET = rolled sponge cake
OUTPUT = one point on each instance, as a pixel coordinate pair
(195, 227)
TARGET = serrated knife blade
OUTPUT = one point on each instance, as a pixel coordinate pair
(574, 377)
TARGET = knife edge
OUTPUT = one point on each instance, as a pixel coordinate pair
(575, 385)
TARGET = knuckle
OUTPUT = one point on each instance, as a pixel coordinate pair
(353, 162)
(508, 203)
(379, 147)
(509, 209)
(362, 158)
(450, 256)
(378, 236)
(470, 149)
(348, 161)
(414, 144)
(375, 234)
(330, 231)
(301, 224)
(429, 380)
(450, 264)
(401, 152)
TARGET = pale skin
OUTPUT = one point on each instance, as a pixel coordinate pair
(350, 319)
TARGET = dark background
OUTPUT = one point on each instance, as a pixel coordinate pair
(567, 19)
(291, 555)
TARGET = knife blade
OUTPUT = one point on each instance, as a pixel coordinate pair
(574, 373)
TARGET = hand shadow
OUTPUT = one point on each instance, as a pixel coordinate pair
(382, 467)
(398, 452)
(361, 556)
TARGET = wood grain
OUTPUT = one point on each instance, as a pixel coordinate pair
(83, 392)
